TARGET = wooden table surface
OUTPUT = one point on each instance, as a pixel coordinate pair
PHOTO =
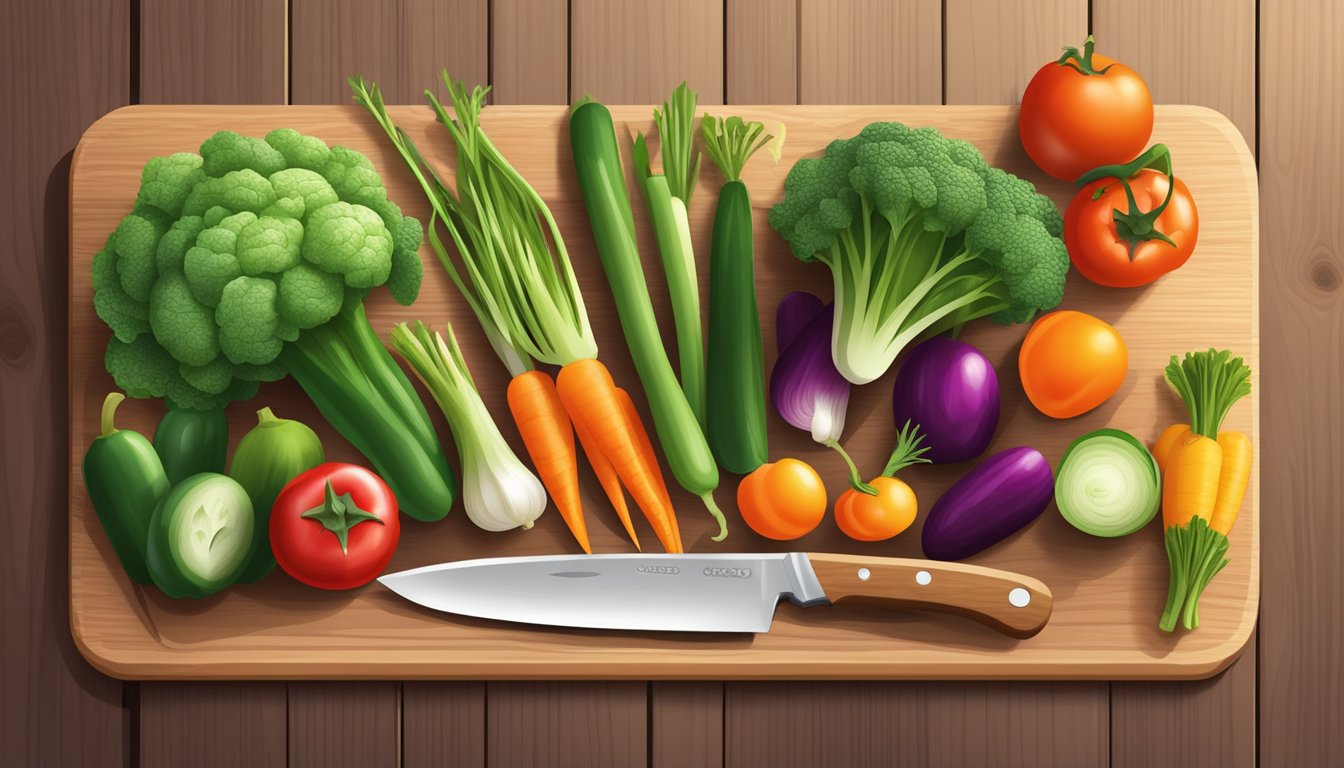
(1273, 68)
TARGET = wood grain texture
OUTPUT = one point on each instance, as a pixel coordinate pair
(687, 721)
(340, 724)
(993, 48)
(760, 39)
(529, 51)
(980, 594)
(443, 724)
(1301, 152)
(399, 44)
(564, 725)
(1206, 722)
(925, 724)
(211, 52)
(870, 52)
(636, 52)
(221, 724)
(1193, 52)
(67, 63)
(1202, 53)
(1106, 593)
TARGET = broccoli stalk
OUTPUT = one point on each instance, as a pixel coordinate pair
(250, 262)
(921, 237)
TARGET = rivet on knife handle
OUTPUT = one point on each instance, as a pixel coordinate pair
(1011, 603)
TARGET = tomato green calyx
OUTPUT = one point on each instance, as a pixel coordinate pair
(1082, 61)
(339, 514)
(855, 479)
(908, 450)
(1135, 226)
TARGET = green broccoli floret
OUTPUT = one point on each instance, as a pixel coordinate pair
(921, 236)
(351, 241)
(231, 256)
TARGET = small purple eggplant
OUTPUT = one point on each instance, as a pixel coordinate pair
(951, 391)
(988, 504)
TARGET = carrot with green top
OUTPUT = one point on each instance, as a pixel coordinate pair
(516, 277)
(1204, 477)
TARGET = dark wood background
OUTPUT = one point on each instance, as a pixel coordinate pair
(1274, 68)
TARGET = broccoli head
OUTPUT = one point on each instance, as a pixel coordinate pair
(921, 236)
(229, 255)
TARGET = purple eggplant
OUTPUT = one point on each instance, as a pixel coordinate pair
(988, 504)
(950, 390)
(806, 389)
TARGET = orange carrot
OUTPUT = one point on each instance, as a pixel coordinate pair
(590, 397)
(606, 475)
(651, 462)
(1190, 487)
(1232, 480)
(1165, 442)
(549, 437)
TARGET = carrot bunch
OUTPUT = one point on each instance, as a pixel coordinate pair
(1204, 477)
(516, 276)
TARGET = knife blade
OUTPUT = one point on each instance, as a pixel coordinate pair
(715, 592)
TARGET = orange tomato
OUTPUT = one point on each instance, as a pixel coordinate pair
(864, 517)
(1071, 362)
(783, 500)
(1082, 111)
(1104, 256)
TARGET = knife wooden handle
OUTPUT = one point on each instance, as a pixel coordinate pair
(1011, 603)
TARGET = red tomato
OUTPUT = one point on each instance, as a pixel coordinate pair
(783, 500)
(864, 517)
(1082, 111)
(1071, 362)
(335, 526)
(1130, 258)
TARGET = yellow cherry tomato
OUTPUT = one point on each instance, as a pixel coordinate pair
(1071, 362)
(864, 517)
(783, 500)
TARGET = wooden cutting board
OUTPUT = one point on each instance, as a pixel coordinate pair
(1108, 593)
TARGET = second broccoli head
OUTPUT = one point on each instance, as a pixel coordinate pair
(921, 236)
(230, 254)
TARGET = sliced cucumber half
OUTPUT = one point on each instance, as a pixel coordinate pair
(200, 536)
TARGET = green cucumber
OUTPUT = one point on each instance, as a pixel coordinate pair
(200, 536)
(190, 442)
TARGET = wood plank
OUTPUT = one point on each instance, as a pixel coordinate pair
(1194, 52)
(1106, 593)
(925, 724)
(1201, 53)
(210, 52)
(443, 724)
(218, 53)
(993, 48)
(1206, 722)
(212, 724)
(1301, 152)
(636, 53)
(542, 725)
(762, 61)
(68, 63)
(335, 724)
(687, 723)
(529, 51)
(399, 44)
(870, 52)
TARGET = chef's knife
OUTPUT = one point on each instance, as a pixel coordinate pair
(715, 592)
